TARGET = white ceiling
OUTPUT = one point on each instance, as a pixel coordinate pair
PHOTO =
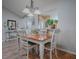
(17, 6)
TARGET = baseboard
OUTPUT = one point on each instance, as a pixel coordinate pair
(65, 50)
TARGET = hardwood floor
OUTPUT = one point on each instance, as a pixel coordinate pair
(61, 55)
(10, 51)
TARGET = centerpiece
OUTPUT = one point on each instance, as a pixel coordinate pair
(51, 23)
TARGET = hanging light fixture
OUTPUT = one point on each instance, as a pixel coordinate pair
(30, 14)
(31, 10)
(37, 11)
(26, 11)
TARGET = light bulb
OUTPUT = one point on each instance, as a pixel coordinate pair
(30, 14)
(37, 12)
(26, 11)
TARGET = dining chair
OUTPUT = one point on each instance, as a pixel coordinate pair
(51, 46)
(25, 44)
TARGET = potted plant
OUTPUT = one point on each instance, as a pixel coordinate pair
(51, 23)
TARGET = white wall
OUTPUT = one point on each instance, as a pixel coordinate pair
(67, 23)
(7, 15)
(66, 10)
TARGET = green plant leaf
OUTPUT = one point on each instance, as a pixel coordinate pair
(49, 21)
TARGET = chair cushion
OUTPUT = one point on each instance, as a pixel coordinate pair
(48, 46)
(31, 43)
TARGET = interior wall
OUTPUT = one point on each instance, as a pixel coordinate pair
(66, 10)
(7, 15)
(20, 22)
(67, 21)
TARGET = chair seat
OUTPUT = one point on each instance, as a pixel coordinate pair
(48, 46)
(30, 44)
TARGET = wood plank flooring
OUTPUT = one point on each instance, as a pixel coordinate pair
(10, 51)
(61, 55)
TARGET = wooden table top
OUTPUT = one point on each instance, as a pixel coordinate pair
(37, 37)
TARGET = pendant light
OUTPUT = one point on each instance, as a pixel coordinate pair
(30, 11)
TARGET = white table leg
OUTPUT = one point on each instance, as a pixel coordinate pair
(41, 51)
(27, 51)
(50, 54)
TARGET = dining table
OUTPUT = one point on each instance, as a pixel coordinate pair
(35, 38)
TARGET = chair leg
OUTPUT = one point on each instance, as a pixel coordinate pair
(56, 54)
(50, 54)
(27, 54)
(37, 50)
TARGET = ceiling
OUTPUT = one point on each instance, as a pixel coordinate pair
(17, 6)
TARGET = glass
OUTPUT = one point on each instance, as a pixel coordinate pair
(42, 34)
(29, 25)
(41, 24)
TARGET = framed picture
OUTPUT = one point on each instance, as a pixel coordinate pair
(11, 24)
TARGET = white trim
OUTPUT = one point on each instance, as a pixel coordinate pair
(67, 51)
